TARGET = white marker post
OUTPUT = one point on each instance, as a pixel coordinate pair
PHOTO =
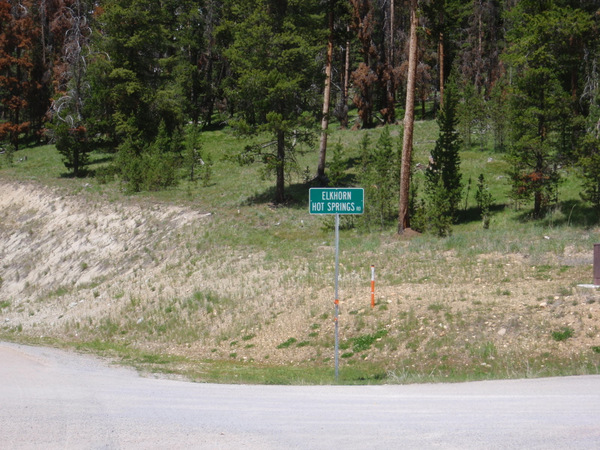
(336, 201)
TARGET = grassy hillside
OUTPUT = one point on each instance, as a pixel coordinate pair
(215, 283)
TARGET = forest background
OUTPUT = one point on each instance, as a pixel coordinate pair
(141, 79)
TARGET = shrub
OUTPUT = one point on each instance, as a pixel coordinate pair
(73, 144)
(379, 177)
(144, 168)
(337, 167)
(483, 197)
(105, 175)
(563, 334)
(365, 341)
(287, 343)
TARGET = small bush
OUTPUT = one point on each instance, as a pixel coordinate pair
(106, 174)
(145, 168)
(9, 155)
(287, 343)
(365, 341)
(483, 197)
(563, 335)
(337, 167)
(436, 307)
(378, 176)
(73, 144)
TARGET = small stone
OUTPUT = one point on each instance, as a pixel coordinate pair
(502, 331)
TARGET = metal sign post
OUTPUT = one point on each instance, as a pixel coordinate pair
(336, 296)
(336, 201)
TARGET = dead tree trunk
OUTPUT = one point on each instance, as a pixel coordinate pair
(326, 101)
(409, 119)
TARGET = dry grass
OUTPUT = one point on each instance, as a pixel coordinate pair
(255, 284)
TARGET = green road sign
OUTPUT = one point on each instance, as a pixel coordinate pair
(336, 200)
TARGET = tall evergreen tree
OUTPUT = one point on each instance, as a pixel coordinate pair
(139, 82)
(276, 77)
(542, 110)
(70, 132)
(17, 37)
(589, 150)
(444, 168)
(135, 36)
(365, 76)
(379, 177)
(326, 94)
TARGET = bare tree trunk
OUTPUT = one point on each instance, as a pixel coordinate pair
(280, 169)
(409, 119)
(390, 84)
(391, 43)
(346, 82)
(441, 64)
(326, 100)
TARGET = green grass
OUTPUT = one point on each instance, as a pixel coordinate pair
(287, 343)
(364, 342)
(295, 249)
(247, 188)
(563, 334)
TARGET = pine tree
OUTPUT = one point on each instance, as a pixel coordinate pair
(541, 56)
(589, 150)
(365, 76)
(69, 130)
(139, 81)
(337, 167)
(274, 75)
(326, 95)
(379, 178)
(483, 197)
(17, 36)
(438, 211)
(444, 168)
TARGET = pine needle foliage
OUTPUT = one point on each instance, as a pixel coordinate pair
(443, 185)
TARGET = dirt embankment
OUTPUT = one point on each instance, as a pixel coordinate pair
(152, 275)
(64, 256)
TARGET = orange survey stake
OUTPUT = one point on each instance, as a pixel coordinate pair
(372, 286)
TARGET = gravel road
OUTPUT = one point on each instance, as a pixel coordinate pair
(53, 399)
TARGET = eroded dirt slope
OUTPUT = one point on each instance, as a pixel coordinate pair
(63, 255)
(79, 266)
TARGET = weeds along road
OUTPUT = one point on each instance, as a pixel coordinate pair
(55, 399)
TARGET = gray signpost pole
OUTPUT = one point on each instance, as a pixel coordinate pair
(336, 201)
(337, 299)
